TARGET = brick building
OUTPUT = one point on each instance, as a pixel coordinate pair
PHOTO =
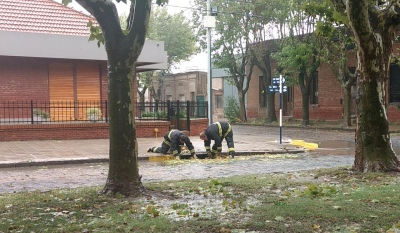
(45, 55)
(326, 95)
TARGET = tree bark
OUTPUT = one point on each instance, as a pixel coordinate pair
(374, 32)
(123, 175)
(304, 83)
(242, 106)
(305, 95)
(123, 51)
(374, 150)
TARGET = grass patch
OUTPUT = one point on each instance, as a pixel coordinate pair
(325, 200)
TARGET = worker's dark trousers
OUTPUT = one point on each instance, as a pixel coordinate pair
(163, 149)
(229, 140)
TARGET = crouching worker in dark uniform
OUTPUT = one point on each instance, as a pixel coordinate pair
(173, 140)
(218, 131)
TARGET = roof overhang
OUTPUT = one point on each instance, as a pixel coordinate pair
(25, 44)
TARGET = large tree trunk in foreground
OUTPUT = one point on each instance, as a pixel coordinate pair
(374, 151)
(123, 175)
(123, 50)
(374, 33)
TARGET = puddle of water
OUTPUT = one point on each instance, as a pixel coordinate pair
(342, 147)
(336, 144)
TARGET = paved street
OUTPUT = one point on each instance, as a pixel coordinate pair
(247, 138)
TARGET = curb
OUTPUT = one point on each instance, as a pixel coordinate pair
(142, 158)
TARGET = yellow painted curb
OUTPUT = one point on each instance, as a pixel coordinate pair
(306, 145)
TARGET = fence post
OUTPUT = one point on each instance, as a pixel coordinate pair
(168, 110)
(188, 115)
(106, 103)
(156, 110)
(32, 112)
(177, 115)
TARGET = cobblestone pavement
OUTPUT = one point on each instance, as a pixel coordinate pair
(53, 177)
(246, 137)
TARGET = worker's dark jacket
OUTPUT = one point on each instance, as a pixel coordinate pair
(217, 132)
(172, 139)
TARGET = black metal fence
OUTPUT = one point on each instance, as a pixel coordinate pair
(177, 112)
(34, 112)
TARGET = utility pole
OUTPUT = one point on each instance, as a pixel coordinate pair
(209, 65)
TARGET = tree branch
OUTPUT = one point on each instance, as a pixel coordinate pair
(106, 15)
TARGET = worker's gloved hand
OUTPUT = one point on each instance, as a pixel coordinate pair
(194, 156)
(232, 154)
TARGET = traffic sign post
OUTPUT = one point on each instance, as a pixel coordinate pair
(277, 86)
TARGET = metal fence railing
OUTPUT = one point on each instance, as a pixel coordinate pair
(171, 109)
(34, 112)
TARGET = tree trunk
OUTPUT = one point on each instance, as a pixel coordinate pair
(347, 105)
(305, 95)
(374, 150)
(123, 175)
(271, 107)
(242, 106)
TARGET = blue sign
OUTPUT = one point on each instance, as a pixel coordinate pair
(275, 80)
(275, 88)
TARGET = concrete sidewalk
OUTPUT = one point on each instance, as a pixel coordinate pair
(52, 152)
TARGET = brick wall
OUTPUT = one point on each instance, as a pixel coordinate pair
(144, 129)
(23, 79)
(72, 131)
(197, 126)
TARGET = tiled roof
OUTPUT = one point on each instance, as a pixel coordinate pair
(42, 16)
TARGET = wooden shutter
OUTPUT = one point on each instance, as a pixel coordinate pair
(61, 85)
(88, 87)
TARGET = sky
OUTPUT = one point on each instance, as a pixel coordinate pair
(196, 62)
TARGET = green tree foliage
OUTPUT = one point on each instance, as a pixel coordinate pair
(267, 22)
(231, 44)
(178, 35)
(300, 54)
(374, 26)
(231, 111)
(338, 44)
(123, 48)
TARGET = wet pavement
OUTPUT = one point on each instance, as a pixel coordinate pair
(336, 148)
(83, 175)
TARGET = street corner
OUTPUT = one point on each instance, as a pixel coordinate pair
(304, 144)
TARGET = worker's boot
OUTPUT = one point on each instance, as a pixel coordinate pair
(232, 154)
(150, 149)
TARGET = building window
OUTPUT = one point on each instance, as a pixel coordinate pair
(314, 89)
(192, 96)
(169, 97)
(182, 98)
(180, 84)
(219, 100)
(262, 93)
(394, 83)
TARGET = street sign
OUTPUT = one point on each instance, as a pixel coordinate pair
(275, 88)
(275, 80)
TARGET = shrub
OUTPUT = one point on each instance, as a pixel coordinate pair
(41, 113)
(231, 111)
